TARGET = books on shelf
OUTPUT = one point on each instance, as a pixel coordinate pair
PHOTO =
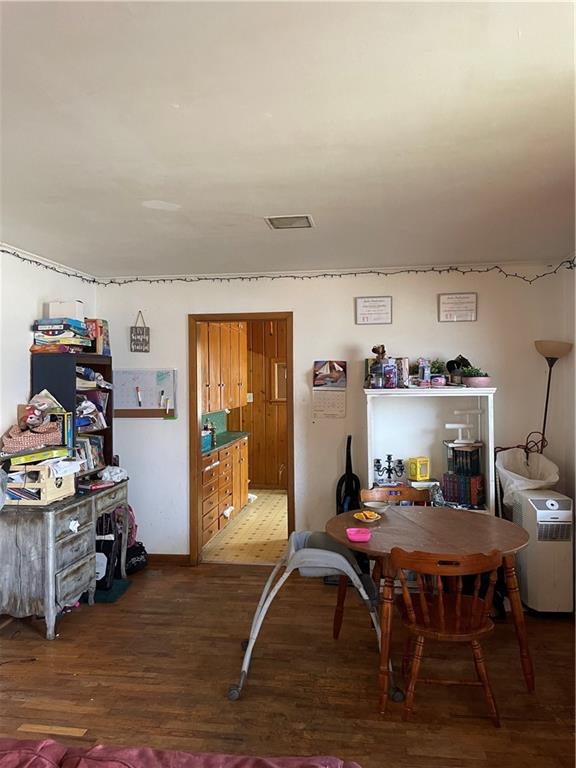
(90, 449)
(61, 334)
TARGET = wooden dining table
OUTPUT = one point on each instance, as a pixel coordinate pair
(438, 530)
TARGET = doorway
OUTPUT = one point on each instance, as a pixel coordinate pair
(257, 532)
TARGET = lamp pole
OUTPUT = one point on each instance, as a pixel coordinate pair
(551, 361)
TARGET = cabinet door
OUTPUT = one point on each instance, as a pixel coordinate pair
(243, 362)
(234, 394)
(236, 478)
(204, 366)
(225, 371)
(243, 472)
(215, 391)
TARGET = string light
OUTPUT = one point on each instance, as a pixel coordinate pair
(569, 263)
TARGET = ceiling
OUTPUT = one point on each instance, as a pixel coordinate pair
(153, 138)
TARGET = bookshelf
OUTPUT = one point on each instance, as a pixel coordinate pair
(410, 422)
(57, 374)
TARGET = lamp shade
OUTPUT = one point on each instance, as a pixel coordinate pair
(553, 349)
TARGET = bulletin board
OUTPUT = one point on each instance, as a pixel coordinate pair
(145, 393)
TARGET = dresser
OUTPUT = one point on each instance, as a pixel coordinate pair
(48, 554)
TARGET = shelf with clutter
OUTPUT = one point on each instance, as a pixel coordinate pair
(411, 421)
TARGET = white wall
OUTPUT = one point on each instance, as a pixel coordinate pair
(511, 315)
(23, 290)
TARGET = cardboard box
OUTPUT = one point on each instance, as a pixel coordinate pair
(37, 487)
(73, 309)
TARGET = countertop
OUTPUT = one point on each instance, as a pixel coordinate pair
(225, 438)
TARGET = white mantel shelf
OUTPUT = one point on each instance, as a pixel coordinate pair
(485, 424)
(432, 392)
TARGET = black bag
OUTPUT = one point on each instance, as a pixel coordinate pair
(136, 559)
(109, 547)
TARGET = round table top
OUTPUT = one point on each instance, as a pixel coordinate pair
(439, 530)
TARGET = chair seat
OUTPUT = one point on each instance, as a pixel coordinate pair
(470, 624)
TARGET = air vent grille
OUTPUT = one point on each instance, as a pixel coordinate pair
(554, 531)
(290, 222)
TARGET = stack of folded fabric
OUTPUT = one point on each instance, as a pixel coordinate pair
(60, 334)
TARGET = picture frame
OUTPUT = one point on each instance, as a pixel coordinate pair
(373, 310)
(457, 307)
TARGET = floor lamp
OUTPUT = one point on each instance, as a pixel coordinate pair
(552, 351)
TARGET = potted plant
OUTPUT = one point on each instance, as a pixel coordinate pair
(475, 377)
(438, 373)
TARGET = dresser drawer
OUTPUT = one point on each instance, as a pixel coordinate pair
(76, 516)
(75, 547)
(209, 518)
(225, 508)
(210, 488)
(225, 453)
(107, 501)
(225, 478)
(210, 474)
(74, 580)
(209, 458)
(225, 493)
(226, 466)
(209, 532)
(209, 504)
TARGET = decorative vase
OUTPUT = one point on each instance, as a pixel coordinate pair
(476, 381)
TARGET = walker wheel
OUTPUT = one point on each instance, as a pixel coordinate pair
(233, 693)
(244, 644)
(396, 695)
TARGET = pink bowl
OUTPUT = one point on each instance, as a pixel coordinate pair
(358, 534)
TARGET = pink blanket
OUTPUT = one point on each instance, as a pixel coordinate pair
(50, 754)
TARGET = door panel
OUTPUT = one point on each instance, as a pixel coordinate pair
(214, 397)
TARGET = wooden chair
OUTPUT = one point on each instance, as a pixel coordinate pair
(383, 495)
(438, 609)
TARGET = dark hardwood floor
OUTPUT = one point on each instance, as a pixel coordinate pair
(154, 669)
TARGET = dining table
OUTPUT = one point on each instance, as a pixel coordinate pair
(442, 531)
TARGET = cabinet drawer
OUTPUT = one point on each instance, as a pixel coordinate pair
(209, 504)
(210, 517)
(210, 474)
(209, 532)
(225, 493)
(222, 521)
(209, 458)
(77, 516)
(210, 488)
(107, 501)
(225, 453)
(225, 508)
(226, 465)
(225, 479)
(75, 547)
(74, 580)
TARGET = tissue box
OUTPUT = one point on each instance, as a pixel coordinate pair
(73, 309)
(205, 441)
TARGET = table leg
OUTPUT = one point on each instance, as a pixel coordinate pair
(124, 546)
(387, 607)
(518, 619)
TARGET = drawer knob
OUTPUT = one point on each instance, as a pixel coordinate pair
(74, 525)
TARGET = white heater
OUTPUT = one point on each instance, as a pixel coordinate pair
(546, 566)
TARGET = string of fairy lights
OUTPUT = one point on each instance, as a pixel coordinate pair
(568, 263)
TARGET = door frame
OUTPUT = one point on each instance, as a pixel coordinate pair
(195, 417)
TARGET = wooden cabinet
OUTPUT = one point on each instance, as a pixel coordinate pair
(222, 365)
(244, 480)
(224, 486)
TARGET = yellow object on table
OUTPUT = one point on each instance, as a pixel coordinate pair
(419, 468)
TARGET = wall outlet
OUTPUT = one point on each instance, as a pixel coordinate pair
(249, 397)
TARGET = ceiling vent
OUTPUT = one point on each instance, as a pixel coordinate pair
(289, 222)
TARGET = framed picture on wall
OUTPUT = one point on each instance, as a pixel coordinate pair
(457, 307)
(373, 310)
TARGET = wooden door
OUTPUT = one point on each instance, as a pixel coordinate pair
(234, 399)
(225, 370)
(203, 365)
(215, 393)
(244, 475)
(243, 363)
(236, 478)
